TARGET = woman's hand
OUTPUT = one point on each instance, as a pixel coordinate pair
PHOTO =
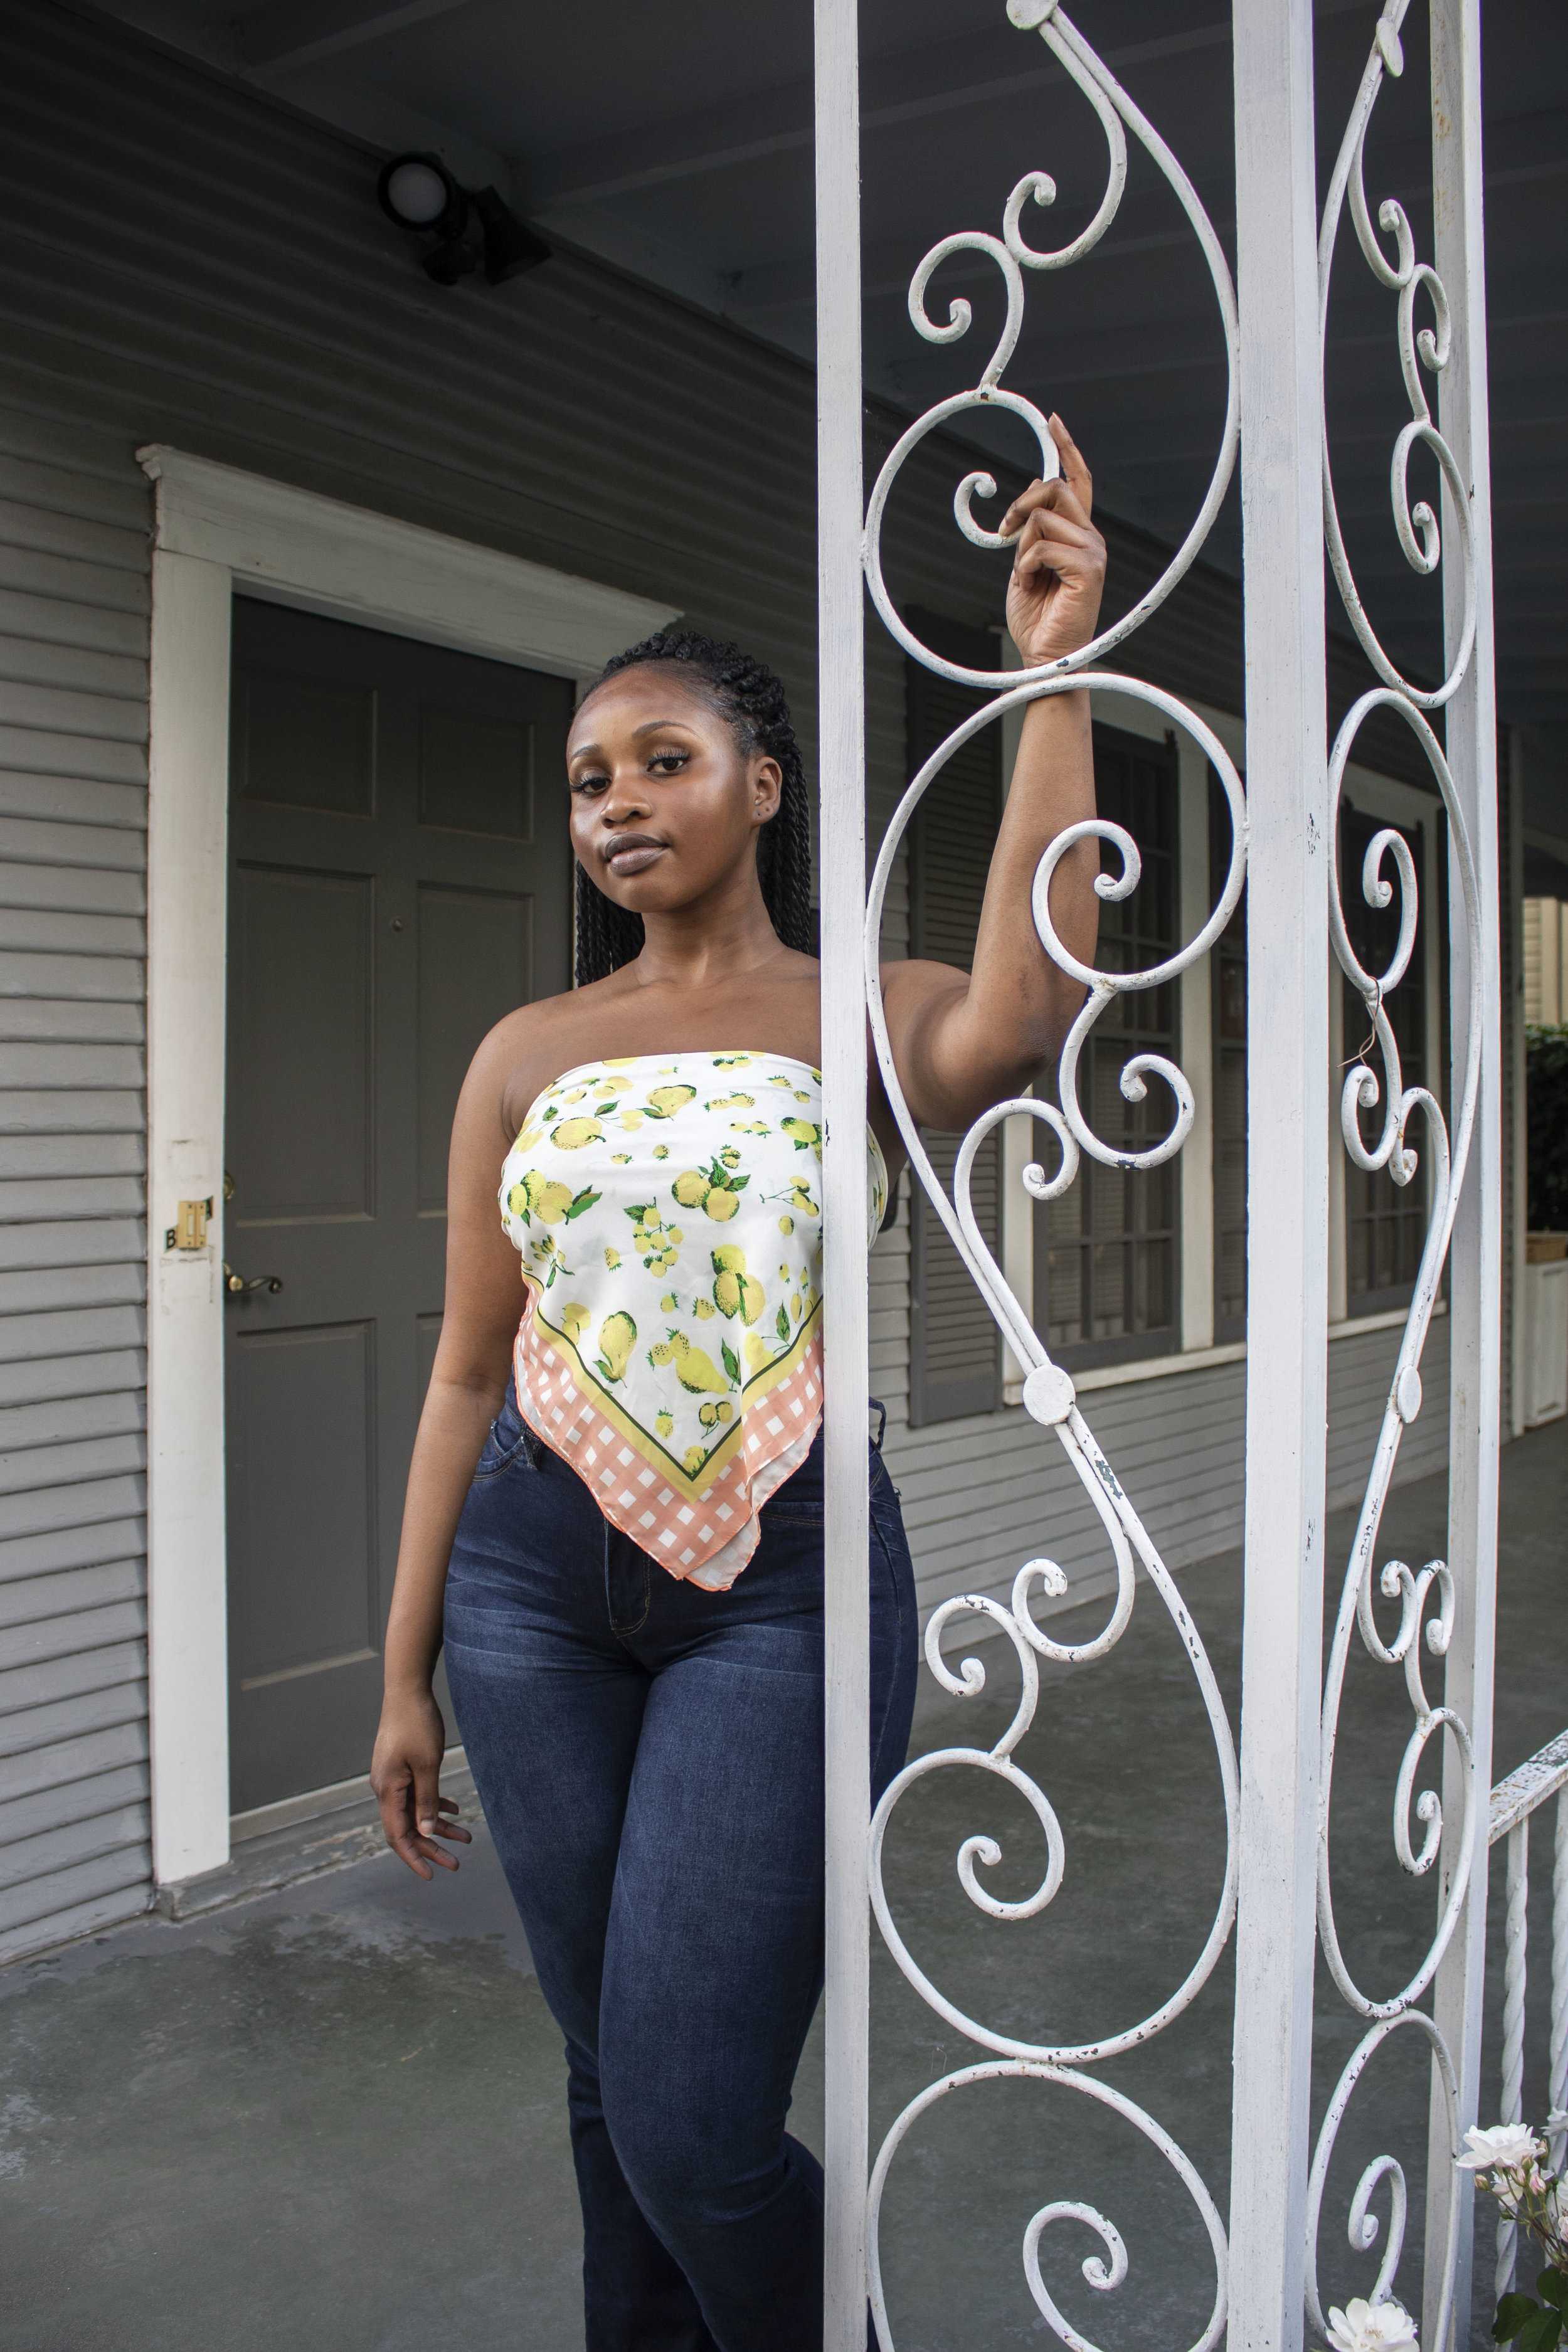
(405, 1775)
(1058, 565)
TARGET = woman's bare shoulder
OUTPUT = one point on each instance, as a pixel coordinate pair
(530, 1047)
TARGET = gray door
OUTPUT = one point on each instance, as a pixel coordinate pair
(398, 879)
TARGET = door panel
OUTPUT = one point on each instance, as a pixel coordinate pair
(306, 1397)
(476, 951)
(301, 1112)
(399, 878)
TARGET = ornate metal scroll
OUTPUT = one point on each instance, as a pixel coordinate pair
(1049, 1393)
(1425, 1598)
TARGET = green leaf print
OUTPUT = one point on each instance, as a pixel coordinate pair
(643, 1209)
(732, 1363)
(581, 1200)
(780, 1324)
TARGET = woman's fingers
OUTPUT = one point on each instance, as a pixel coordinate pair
(1044, 497)
(414, 1814)
(397, 1825)
(447, 1825)
(1075, 471)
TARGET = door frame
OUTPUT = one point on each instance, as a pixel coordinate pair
(216, 531)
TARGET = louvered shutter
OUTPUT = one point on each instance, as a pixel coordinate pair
(955, 1363)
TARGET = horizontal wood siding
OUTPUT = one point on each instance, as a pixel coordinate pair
(74, 521)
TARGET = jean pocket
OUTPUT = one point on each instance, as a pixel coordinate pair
(506, 1441)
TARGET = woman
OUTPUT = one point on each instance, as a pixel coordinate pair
(631, 1575)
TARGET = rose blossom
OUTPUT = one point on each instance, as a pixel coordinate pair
(1372, 2327)
(1501, 2147)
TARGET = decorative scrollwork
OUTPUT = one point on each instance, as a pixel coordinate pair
(1415, 1632)
(1424, 348)
(1013, 256)
(1103, 2271)
(1048, 1394)
(1426, 1598)
(1364, 2226)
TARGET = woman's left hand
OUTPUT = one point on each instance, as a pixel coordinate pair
(1058, 566)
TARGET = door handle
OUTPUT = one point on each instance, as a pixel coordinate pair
(240, 1287)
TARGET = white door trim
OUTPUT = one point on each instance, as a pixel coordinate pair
(218, 529)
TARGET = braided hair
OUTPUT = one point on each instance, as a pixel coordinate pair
(750, 697)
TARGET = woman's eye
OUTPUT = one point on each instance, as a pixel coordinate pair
(589, 783)
(666, 763)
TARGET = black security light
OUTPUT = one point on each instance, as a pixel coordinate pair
(420, 195)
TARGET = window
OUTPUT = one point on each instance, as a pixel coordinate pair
(1385, 1223)
(1228, 999)
(955, 1355)
(1105, 1254)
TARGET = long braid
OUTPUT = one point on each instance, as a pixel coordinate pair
(749, 695)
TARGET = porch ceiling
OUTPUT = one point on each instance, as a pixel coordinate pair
(677, 143)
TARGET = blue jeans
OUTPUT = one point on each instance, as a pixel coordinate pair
(649, 1758)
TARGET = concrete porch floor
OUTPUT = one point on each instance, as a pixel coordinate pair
(333, 2117)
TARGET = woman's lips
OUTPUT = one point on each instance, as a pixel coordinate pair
(635, 860)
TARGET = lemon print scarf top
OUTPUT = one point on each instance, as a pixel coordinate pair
(667, 1209)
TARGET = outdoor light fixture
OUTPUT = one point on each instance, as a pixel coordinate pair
(420, 195)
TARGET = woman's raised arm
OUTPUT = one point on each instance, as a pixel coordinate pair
(964, 1041)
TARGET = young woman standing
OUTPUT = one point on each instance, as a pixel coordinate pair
(626, 1564)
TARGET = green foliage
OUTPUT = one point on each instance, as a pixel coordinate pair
(1531, 2326)
(1546, 1081)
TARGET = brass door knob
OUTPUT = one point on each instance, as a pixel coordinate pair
(240, 1286)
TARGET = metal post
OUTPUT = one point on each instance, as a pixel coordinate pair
(1287, 1207)
(841, 688)
(1476, 1274)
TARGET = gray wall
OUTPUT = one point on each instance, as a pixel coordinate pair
(186, 262)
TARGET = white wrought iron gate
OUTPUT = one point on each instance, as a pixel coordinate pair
(1430, 1626)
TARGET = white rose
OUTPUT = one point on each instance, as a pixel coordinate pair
(1372, 2327)
(1501, 2147)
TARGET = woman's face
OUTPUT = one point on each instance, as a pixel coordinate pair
(665, 805)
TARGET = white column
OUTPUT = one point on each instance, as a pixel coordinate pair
(1476, 1275)
(187, 1600)
(841, 686)
(1287, 1063)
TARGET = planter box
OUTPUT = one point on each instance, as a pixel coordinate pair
(1545, 1341)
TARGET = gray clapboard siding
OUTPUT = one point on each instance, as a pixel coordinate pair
(75, 1633)
(72, 934)
(48, 1726)
(22, 1861)
(109, 1380)
(38, 1020)
(60, 1286)
(74, 1898)
(35, 1336)
(90, 1502)
(43, 1111)
(49, 1681)
(96, 1798)
(37, 1770)
(66, 1195)
(30, 1599)
(88, 980)
(32, 1470)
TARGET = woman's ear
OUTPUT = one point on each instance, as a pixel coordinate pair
(767, 788)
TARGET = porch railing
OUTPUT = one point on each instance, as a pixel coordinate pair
(1515, 1803)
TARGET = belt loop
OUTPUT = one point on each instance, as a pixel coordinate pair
(881, 1409)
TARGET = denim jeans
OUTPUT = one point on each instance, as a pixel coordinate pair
(649, 1758)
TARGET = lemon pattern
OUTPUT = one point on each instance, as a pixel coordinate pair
(667, 1211)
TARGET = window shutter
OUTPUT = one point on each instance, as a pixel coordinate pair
(955, 1360)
